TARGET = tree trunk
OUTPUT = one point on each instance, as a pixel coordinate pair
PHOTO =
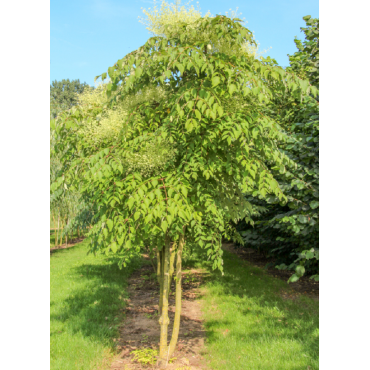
(159, 271)
(172, 262)
(56, 237)
(55, 229)
(160, 280)
(176, 323)
(164, 320)
(66, 234)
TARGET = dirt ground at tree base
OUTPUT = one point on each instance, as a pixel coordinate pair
(304, 285)
(140, 328)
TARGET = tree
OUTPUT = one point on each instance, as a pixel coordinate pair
(63, 95)
(67, 207)
(305, 62)
(193, 139)
(290, 231)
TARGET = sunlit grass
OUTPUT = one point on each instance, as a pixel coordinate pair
(87, 294)
(250, 326)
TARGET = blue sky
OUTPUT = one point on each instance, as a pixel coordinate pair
(88, 36)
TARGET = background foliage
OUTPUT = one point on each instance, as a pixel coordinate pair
(67, 207)
(64, 95)
(290, 231)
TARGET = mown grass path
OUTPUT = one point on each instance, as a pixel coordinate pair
(87, 295)
(250, 325)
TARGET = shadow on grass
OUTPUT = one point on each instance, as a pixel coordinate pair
(93, 306)
(248, 291)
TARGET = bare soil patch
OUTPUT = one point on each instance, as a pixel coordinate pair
(140, 327)
(305, 285)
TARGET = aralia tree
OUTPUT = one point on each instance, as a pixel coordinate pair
(192, 140)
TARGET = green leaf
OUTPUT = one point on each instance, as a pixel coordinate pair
(113, 247)
(130, 202)
(302, 219)
(300, 270)
(315, 277)
(293, 279)
(180, 67)
(138, 72)
(164, 225)
(215, 81)
(314, 204)
(232, 88)
(220, 111)
(110, 224)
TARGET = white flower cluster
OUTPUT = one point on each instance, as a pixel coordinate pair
(150, 160)
(169, 14)
(111, 121)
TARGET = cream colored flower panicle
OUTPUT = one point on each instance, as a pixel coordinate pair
(112, 120)
(91, 96)
(169, 14)
(108, 123)
(150, 160)
(174, 13)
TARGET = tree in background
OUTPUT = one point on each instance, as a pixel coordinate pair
(167, 153)
(290, 231)
(305, 62)
(67, 208)
(63, 95)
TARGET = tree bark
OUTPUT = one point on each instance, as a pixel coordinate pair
(55, 229)
(160, 280)
(66, 234)
(56, 237)
(164, 320)
(176, 323)
(172, 262)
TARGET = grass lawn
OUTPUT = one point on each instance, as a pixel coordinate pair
(86, 295)
(250, 326)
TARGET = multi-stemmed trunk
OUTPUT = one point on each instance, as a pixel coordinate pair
(165, 268)
(164, 320)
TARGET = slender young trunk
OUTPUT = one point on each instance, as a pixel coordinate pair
(160, 277)
(172, 262)
(56, 238)
(55, 229)
(164, 320)
(159, 256)
(176, 323)
(67, 233)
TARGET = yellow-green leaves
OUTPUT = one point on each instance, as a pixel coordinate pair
(215, 81)
(232, 88)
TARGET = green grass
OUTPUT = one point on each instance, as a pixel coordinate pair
(250, 326)
(86, 295)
